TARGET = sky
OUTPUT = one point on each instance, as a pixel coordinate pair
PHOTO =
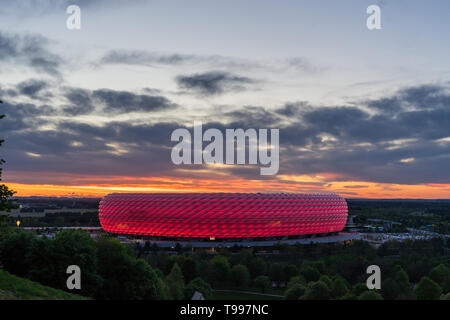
(362, 113)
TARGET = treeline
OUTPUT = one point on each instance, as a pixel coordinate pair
(111, 270)
(410, 270)
(412, 214)
(60, 219)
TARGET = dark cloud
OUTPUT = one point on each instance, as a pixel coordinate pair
(363, 146)
(419, 97)
(302, 64)
(213, 82)
(252, 117)
(391, 147)
(30, 50)
(8, 46)
(116, 148)
(32, 87)
(386, 105)
(80, 102)
(22, 116)
(426, 97)
(125, 101)
(292, 109)
(148, 58)
(144, 58)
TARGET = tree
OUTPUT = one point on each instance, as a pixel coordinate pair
(417, 268)
(289, 271)
(262, 283)
(445, 296)
(390, 289)
(339, 288)
(348, 296)
(257, 267)
(276, 272)
(71, 247)
(317, 291)
(441, 275)
(189, 268)
(370, 295)
(174, 283)
(294, 292)
(427, 289)
(402, 280)
(200, 285)
(239, 275)
(326, 279)
(320, 266)
(43, 262)
(296, 280)
(124, 276)
(310, 274)
(359, 288)
(6, 204)
(220, 268)
(14, 249)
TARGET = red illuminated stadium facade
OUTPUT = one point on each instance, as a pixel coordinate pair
(222, 215)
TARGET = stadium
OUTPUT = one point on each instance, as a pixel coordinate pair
(196, 218)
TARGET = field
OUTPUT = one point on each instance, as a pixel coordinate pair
(15, 288)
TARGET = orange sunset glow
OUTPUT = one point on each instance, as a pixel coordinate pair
(349, 189)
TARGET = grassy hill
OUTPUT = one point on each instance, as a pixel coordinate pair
(16, 288)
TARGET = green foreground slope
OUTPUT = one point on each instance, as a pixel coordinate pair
(16, 288)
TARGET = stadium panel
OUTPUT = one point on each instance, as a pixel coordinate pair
(222, 215)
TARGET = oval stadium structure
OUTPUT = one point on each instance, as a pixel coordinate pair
(222, 215)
